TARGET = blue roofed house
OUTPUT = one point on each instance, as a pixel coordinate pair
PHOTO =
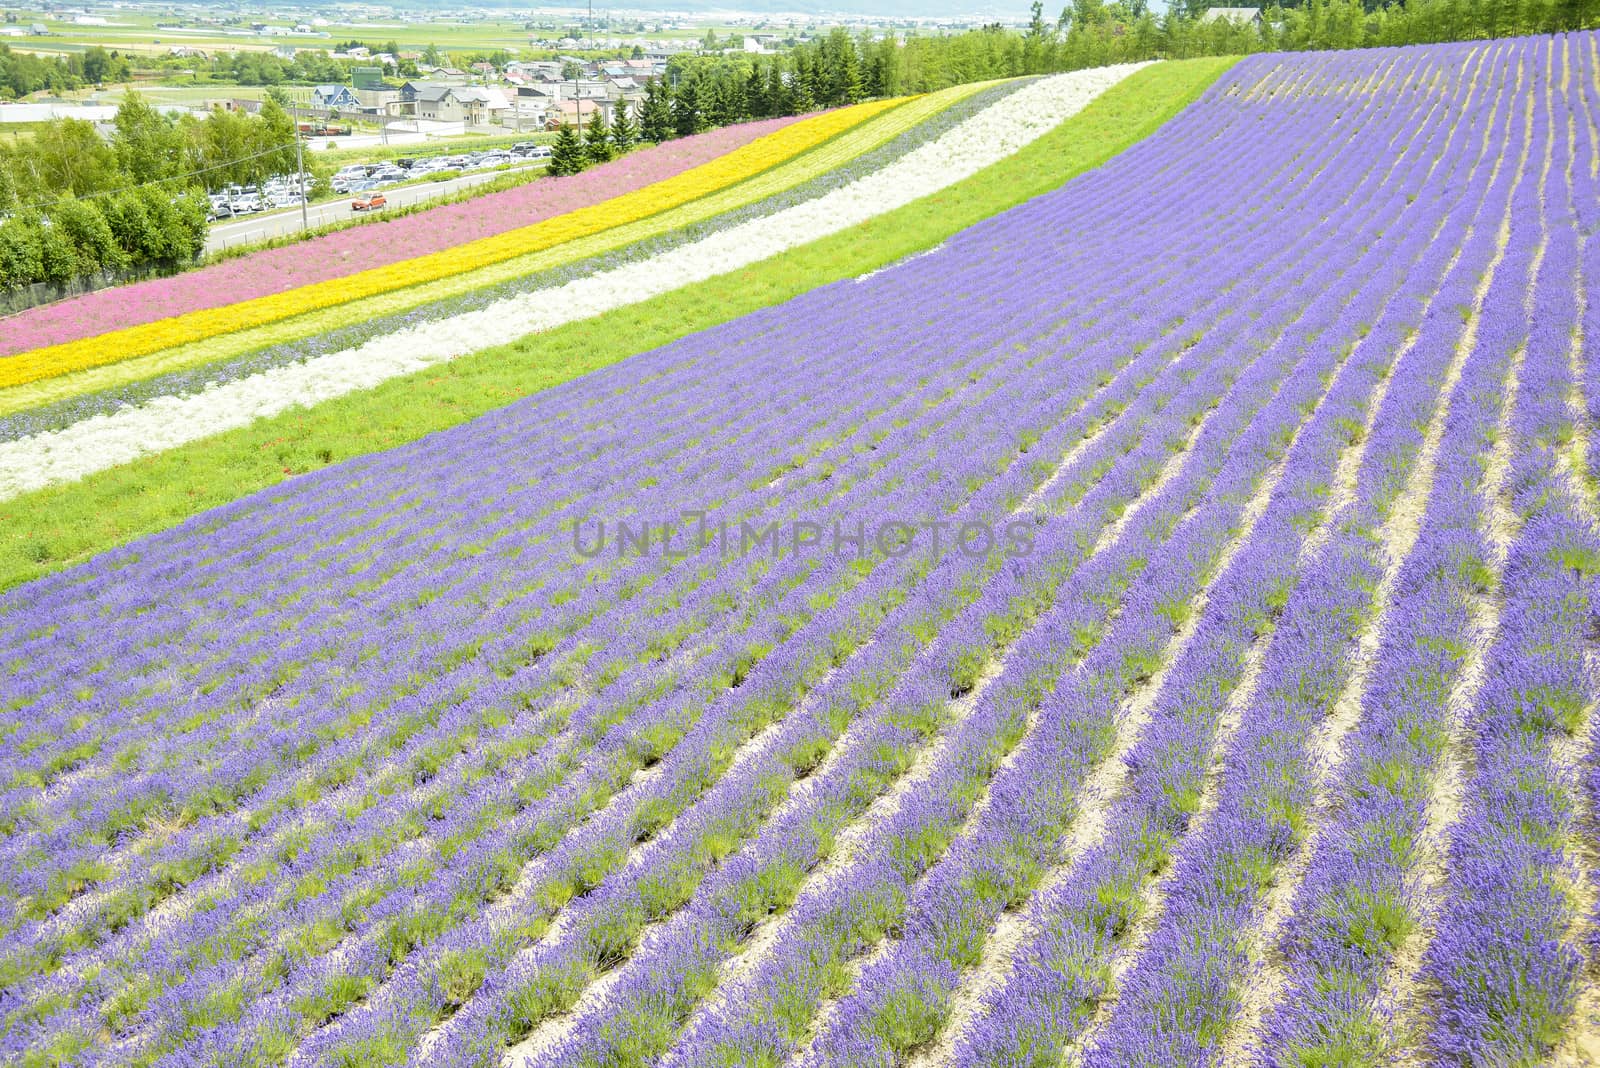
(334, 96)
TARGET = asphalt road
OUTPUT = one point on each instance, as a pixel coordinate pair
(255, 228)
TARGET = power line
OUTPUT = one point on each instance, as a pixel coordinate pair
(158, 181)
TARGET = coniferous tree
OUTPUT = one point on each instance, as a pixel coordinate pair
(715, 109)
(756, 102)
(567, 156)
(804, 100)
(655, 120)
(686, 117)
(623, 129)
(851, 89)
(779, 100)
(597, 137)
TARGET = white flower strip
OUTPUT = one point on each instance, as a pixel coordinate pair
(104, 441)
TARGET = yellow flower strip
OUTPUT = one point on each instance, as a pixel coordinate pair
(759, 155)
(827, 157)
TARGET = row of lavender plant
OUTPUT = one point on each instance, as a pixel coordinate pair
(1186, 987)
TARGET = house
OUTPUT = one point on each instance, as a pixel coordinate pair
(1238, 16)
(577, 112)
(473, 105)
(334, 97)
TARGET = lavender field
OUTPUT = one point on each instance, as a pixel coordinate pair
(1156, 627)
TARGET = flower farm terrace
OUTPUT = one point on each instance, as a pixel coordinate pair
(1096, 570)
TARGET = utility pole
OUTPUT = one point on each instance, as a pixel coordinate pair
(300, 168)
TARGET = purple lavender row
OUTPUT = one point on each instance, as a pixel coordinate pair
(1186, 987)
(990, 873)
(1358, 905)
(1502, 968)
(1059, 970)
(1586, 211)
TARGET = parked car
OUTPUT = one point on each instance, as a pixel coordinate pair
(368, 202)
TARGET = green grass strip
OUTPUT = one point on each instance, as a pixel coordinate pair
(62, 525)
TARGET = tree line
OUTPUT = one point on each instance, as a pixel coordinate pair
(77, 203)
(22, 73)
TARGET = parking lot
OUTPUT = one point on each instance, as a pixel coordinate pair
(273, 209)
